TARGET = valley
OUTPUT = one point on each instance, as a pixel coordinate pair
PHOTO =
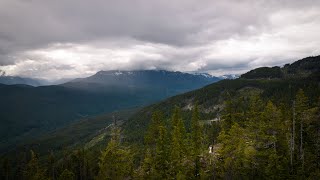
(213, 115)
(27, 112)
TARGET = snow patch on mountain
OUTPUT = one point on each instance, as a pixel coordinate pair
(207, 75)
(118, 73)
(229, 76)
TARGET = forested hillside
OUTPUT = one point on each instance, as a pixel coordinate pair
(212, 98)
(27, 112)
(302, 68)
(259, 126)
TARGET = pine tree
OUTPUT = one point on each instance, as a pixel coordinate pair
(176, 116)
(153, 130)
(301, 107)
(116, 162)
(254, 114)
(237, 153)
(147, 166)
(228, 113)
(195, 131)
(5, 168)
(80, 164)
(51, 166)
(161, 157)
(178, 143)
(33, 170)
(22, 162)
(196, 140)
(271, 130)
(312, 149)
(67, 175)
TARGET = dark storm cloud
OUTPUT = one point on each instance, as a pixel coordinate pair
(72, 36)
(28, 24)
(5, 60)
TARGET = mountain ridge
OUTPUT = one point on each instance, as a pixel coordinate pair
(301, 68)
(140, 77)
(57, 105)
(264, 81)
(12, 80)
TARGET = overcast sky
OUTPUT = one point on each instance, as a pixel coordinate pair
(74, 38)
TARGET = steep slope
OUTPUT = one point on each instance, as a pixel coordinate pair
(27, 111)
(250, 123)
(84, 133)
(276, 84)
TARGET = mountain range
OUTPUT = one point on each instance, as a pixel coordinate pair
(232, 113)
(27, 111)
(211, 98)
(160, 80)
(11, 80)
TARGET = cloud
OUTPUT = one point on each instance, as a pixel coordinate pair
(54, 39)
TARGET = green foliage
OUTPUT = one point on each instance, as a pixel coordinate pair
(51, 107)
(146, 170)
(257, 129)
(66, 175)
(161, 154)
(116, 162)
(264, 72)
(178, 147)
(255, 145)
(51, 166)
(33, 170)
(195, 131)
(237, 152)
(153, 130)
(302, 68)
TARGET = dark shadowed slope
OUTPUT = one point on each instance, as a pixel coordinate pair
(27, 111)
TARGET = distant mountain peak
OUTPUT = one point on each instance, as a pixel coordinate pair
(160, 72)
(131, 72)
(175, 80)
